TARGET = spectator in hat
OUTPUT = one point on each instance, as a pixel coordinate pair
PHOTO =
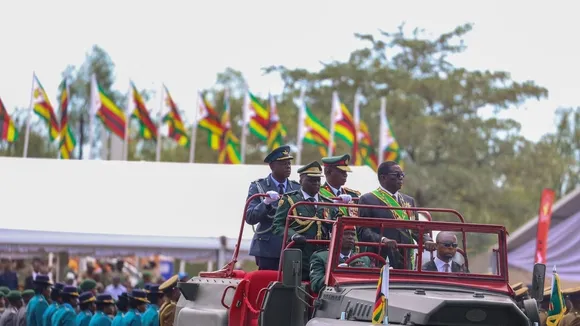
(66, 315)
(151, 315)
(87, 309)
(115, 288)
(137, 305)
(122, 307)
(38, 304)
(27, 295)
(10, 315)
(55, 296)
(105, 307)
(89, 285)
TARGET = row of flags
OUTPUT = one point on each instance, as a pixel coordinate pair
(259, 120)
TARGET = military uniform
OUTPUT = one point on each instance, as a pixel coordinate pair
(10, 315)
(84, 316)
(21, 316)
(133, 316)
(66, 315)
(122, 304)
(151, 315)
(309, 229)
(55, 294)
(572, 317)
(266, 246)
(38, 304)
(167, 310)
(100, 318)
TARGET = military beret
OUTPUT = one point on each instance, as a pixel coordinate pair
(5, 290)
(339, 162)
(71, 291)
(312, 169)
(28, 292)
(87, 285)
(139, 295)
(42, 279)
(170, 283)
(279, 154)
(87, 297)
(105, 298)
(14, 296)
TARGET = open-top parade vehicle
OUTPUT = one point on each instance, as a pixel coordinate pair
(416, 297)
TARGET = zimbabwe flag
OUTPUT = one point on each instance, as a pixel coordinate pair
(43, 108)
(67, 139)
(276, 130)
(112, 117)
(8, 131)
(147, 129)
(177, 129)
(258, 117)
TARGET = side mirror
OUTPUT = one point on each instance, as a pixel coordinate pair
(538, 280)
(292, 267)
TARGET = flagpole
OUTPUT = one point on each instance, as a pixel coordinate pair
(382, 129)
(127, 122)
(385, 290)
(28, 119)
(194, 131)
(301, 117)
(333, 109)
(60, 122)
(159, 126)
(356, 118)
(245, 110)
(92, 111)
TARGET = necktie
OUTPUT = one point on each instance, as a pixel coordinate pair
(281, 188)
(446, 268)
(311, 199)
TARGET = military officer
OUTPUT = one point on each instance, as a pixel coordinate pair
(26, 296)
(137, 304)
(105, 307)
(299, 231)
(320, 258)
(122, 308)
(87, 308)
(88, 285)
(336, 170)
(55, 296)
(38, 304)
(573, 316)
(266, 246)
(9, 316)
(167, 311)
(66, 315)
(151, 315)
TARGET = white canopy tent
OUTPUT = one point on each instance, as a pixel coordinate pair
(118, 207)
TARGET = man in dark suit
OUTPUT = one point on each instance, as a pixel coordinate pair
(443, 262)
(391, 177)
(266, 246)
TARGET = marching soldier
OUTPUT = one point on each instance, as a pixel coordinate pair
(38, 304)
(66, 315)
(167, 311)
(572, 317)
(320, 258)
(88, 285)
(137, 305)
(87, 308)
(122, 307)
(26, 296)
(266, 246)
(55, 296)
(105, 307)
(300, 231)
(151, 315)
(9, 316)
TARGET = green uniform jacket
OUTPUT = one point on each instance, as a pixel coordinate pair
(150, 316)
(308, 229)
(318, 263)
(64, 316)
(100, 319)
(36, 308)
(84, 318)
(47, 316)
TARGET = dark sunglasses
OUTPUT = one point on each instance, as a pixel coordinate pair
(448, 244)
(397, 174)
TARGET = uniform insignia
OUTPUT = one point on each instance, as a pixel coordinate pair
(281, 202)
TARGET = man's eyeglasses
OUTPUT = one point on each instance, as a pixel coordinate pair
(397, 174)
(448, 244)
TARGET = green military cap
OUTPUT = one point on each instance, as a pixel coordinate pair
(5, 290)
(279, 154)
(312, 170)
(14, 296)
(87, 285)
(28, 293)
(339, 162)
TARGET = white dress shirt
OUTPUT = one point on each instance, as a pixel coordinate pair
(441, 265)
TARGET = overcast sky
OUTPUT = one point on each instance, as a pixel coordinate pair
(185, 43)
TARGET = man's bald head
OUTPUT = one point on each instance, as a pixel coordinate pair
(446, 236)
(446, 245)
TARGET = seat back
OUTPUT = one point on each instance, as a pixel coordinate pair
(245, 307)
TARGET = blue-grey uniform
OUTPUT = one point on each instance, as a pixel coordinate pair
(133, 316)
(100, 318)
(151, 316)
(122, 304)
(54, 295)
(266, 246)
(65, 314)
(84, 316)
(38, 304)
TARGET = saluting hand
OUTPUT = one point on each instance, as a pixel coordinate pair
(272, 197)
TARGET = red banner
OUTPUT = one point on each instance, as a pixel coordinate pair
(544, 218)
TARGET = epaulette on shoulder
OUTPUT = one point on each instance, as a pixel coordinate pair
(293, 192)
(295, 182)
(320, 250)
(258, 180)
(352, 190)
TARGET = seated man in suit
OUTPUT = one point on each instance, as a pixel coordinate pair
(446, 243)
(391, 178)
(320, 258)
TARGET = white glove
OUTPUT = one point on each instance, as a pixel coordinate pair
(272, 197)
(342, 265)
(344, 198)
